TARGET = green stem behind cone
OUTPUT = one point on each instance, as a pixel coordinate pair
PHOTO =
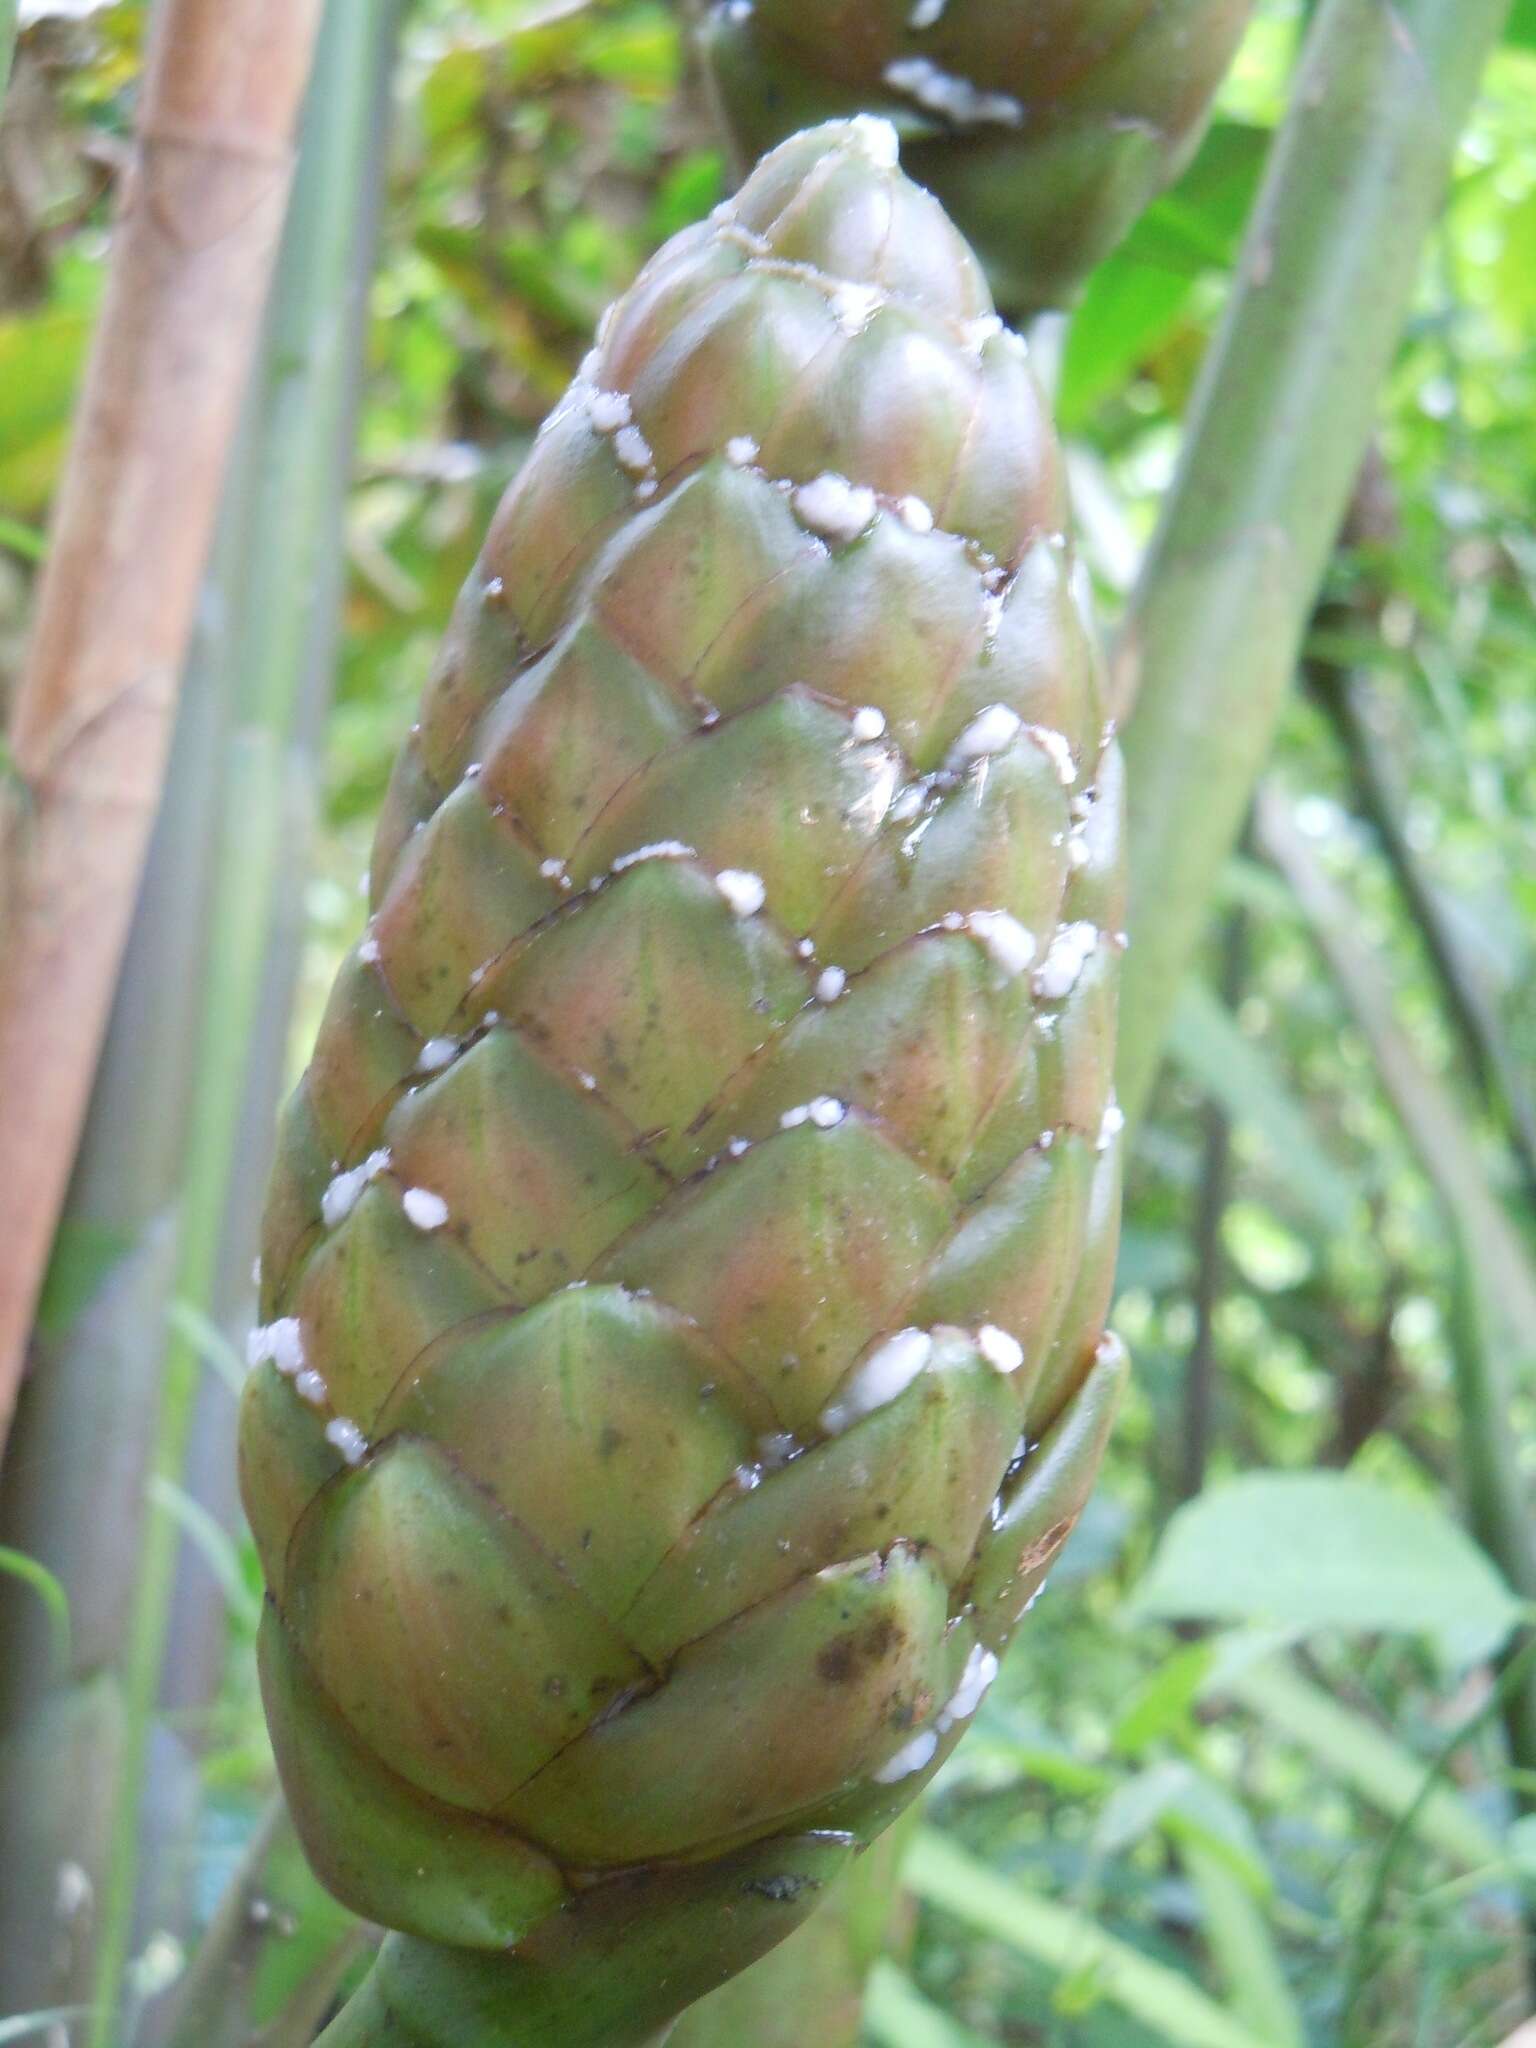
(1277, 429)
(814, 1982)
(610, 1972)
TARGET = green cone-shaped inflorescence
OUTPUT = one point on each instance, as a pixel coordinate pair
(1045, 126)
(685, 1271)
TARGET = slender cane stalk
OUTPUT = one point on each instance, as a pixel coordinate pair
(91, 724)
(156, 1212)
(226, 1998)
(1506, 1086)
(291, 598)
(1210, 1208)
(7, 41)
(1277, 429)
(1497, 1309)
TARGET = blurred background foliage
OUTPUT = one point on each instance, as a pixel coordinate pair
(1211, 1750)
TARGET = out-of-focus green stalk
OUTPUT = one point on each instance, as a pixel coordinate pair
(186, 1088)
(1350, 703)
(274, 1955)
(288, 600)
(7, 41)
(1277, 428)
(1492, 1331)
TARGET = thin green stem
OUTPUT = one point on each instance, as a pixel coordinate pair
(1505, 1086)
(1277, 429)
(285, 606)
(7, 41)
(1516, 1671)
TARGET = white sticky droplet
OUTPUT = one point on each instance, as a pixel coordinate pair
(887, 1372)
(913, 1756)
(345, 1191)
(792, 1119)
(282, 1342)
(609, 411)
(835, 508)
(1112, 1125)
(980, 1670)
(915, 513)
(1055, 746)
(957, 99)
(741, 451)
(926, 13)
(436, 1054)
(344, 1435)
(999, 1348)
(868, 722)
(1067, 955)
(745, 892)
(553, 871)
(425, 1209)
(659, 849)
(739, 1145)
(805, 949)
(310, 1387)
(827, 1112)
(632, 450)
(991, 731)
(830, 984)
(368, 950)
(1009, 943)
(877, 139)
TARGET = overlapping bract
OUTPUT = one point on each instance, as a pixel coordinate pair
(685, 1268)
(1045, 126)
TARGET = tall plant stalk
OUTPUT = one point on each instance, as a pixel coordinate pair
(1473, 1015)
(158, 1214)
(1496, 1307)
(1279, 423)
(91, 724)
(7, 41)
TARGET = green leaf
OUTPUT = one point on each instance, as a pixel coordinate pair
(1096, 1964)
(1326, 1550)
(1162, 1701)
(1137, 297)
(1237, 1073)
(17, 1565)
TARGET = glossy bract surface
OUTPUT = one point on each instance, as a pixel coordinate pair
(1045, 126)
(684, 1273)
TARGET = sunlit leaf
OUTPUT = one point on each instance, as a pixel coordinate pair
(1324, 1550)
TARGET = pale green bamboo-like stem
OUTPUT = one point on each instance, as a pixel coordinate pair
(1277, 429)
(289, 604)
(206, 992)
(7, 41)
